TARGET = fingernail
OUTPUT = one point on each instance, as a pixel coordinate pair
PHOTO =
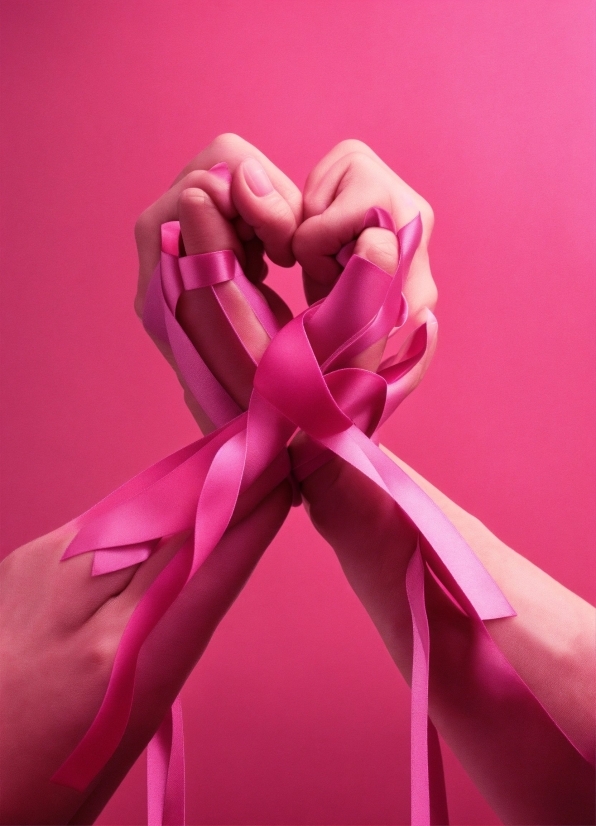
(256, 178)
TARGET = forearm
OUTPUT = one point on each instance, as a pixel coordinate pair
(59, 621)
(549, 643)
(168, 656)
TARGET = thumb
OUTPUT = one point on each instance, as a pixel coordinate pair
(272, 216)
(379, 246)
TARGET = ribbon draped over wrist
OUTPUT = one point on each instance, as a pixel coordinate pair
(302, 382)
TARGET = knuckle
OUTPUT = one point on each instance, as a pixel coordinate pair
(387, 248)
(384, 246)
(380, 247)
(362, 160)
(426, 300)
(352, 145)
(279, 214)
(227, 141)
(383, 256)
(193, 179)
(312, 201)
(422, 292)
(294, 200)
(325, 224)
(191, 198)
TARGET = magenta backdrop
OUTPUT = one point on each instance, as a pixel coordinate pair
(296, 714)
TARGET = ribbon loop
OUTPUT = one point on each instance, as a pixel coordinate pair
(304, 380)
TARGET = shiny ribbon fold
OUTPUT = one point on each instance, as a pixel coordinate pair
(302, 382)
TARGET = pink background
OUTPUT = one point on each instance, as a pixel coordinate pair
(295, 714)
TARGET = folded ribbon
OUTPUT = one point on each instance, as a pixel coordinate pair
(303, 381)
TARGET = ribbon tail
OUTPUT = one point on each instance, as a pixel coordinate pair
(428, 796)
(105, 733)
(439, 813)
(419, 781)
(165, 771)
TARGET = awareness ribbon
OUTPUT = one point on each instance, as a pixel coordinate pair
(301, 383)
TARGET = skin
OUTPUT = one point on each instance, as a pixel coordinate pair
(58, 620)
(72, 628)
(551, 640)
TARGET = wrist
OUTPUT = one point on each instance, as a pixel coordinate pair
(373, 542)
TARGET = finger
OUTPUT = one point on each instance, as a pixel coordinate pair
(227, 148)
(379, 246)
(321, 183)
(203, 226)
(265, 209)
(233, 150)
(319, 189)
(199, 311)
(320, 238)
(337, 204)
(355, 167)
(278, 306)
(255, 267)
(148, 225)
(353, 190)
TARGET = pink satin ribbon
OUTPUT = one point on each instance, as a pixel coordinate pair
(302, 382)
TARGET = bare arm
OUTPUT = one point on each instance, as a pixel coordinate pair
(553, 623)
(550, 643)
(517, 756)
(60, 627)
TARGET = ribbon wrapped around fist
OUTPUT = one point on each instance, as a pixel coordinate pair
(303, 382)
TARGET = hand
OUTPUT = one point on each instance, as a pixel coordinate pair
(249, 224)
(549, 642)
(258, 213)
(254, 213)
(338, 192)
(352, 513)
(374, 544)
(59, 620)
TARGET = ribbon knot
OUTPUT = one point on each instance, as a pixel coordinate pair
(303, 381)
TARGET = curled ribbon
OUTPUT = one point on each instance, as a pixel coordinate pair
(301, 382)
